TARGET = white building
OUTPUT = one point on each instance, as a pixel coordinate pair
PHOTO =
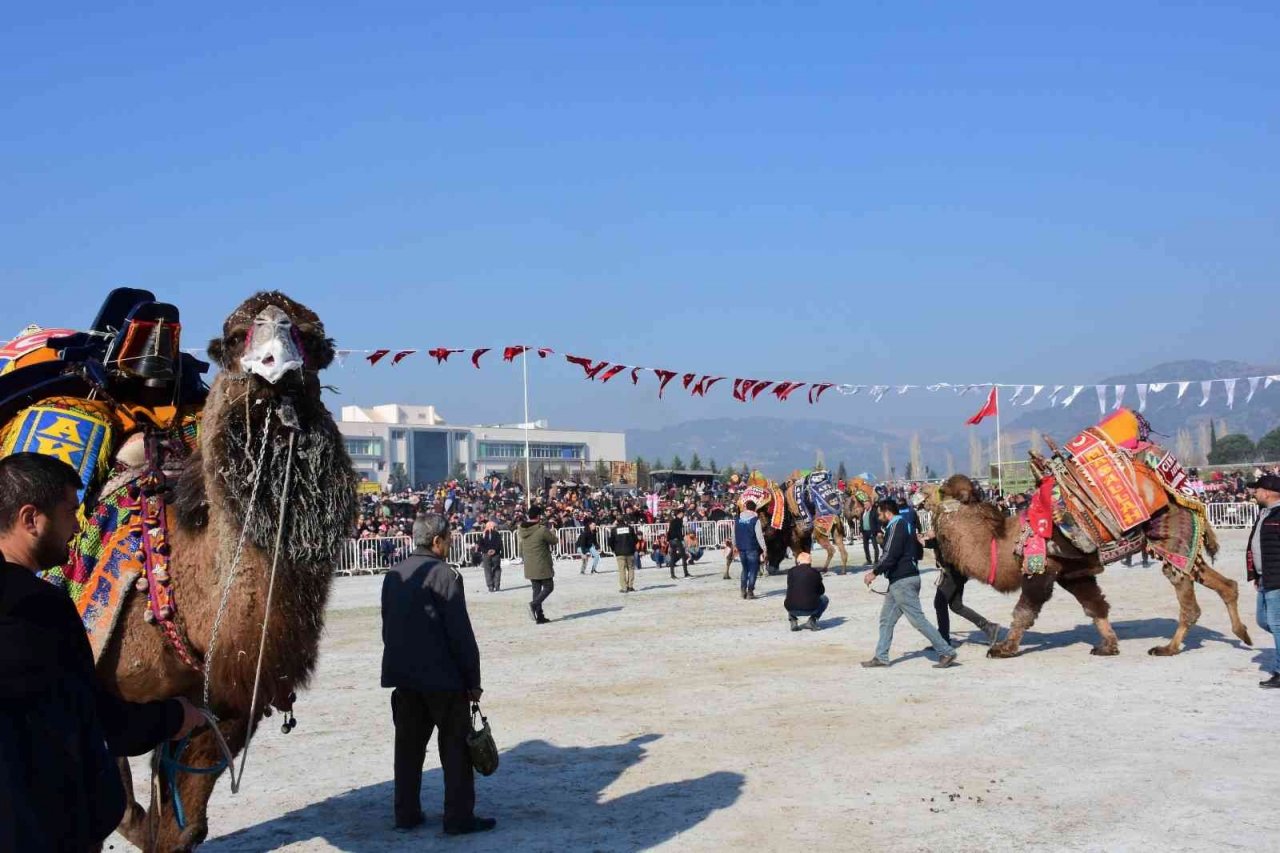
(383, 437)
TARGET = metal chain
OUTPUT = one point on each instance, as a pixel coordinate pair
(235, 563)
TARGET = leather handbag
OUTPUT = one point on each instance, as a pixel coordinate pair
(481, 745)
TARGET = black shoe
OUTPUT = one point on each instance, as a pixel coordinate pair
(541, 620)
(874, 663)
(631, 589)
(476, 824)
(948, 661)
(533, 613)
(795, 625)
(406, 824)
(686, 574)
(1273, 681)
(812, 625)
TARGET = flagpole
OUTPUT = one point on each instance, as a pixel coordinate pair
(995, 389)
(528, 482)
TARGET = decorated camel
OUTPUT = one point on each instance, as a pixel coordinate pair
(205, 559)
(1064, 539)
(803, 509)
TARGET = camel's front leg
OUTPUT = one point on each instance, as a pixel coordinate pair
(194, 790)
(1229, 591)
(1095, 605)
(1188, 611)
(1035, 592)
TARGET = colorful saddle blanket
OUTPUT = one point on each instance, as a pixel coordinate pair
(816, 500)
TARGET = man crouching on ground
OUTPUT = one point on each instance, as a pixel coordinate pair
(806, 594)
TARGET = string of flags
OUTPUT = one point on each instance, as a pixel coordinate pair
(746, 390)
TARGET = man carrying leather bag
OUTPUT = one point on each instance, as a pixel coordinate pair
(431, 659)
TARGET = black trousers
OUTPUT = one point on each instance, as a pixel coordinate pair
(950, 599)
(870, 543)
(492, 571)
(541, 592)
(678, 552)
(415, 715)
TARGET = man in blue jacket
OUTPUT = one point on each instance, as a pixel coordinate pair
(431, 659)
(748, 538)
(898, 564)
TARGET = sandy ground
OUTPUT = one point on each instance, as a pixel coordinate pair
(686, 718)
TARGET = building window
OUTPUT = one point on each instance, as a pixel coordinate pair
(397, 435)
(364, 446)
(515, 450)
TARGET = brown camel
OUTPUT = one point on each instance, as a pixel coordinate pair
(965, 528)
(799, 537)
(271, 351)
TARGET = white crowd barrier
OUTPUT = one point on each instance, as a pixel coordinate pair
(373, 555)
(1232, 514)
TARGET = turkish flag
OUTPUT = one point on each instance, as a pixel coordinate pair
(991, 407)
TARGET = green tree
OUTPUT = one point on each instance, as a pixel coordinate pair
(841, 472)
(695, 464)
(1232, 449)
(459, 471)
(677, 464)
(642, 473)
(602, 472)
(714, 468)
(658, 464)
(399, 479)
(1269, 446)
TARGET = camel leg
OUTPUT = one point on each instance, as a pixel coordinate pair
(194, 789)
(1229, 591)
(133, 826)
(831, 552)
(1188, 611)
(844, 555)
(1035, 592)
(1089, 594)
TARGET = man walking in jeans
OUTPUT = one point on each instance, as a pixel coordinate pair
(749, 540)
(1262, 563)
(536, 542)
(898, 564)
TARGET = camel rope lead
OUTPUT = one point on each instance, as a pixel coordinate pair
(266, 616)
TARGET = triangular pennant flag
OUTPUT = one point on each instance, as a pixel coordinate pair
(707, 382)
(635, 375)
(1119, 396)
(878, 391)
(664, 376)
(1231, 392)
(902, 389)
(589, 367)
(543, 352)
(1272, 378)
(1035, 392)
(341, 357)
(1071, 398)
(760, 385)
(737, 390)
(441, 354)
(938, 386)
(1142, 397)
(1053, 397)
(1102, 397)
(989, 409)
(849, 390)
(967, 389)
(510, 353)
(1204, 389)
(1182, 389)
(783, 391)
(687, 379)
(815, 391)
(475, 357)
(1253, 386)
(401, 356)
(612, 372)
(1157, 387)
(1017, 392)
(377, 355)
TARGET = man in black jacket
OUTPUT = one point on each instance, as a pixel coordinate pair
(490, 546)
(898, 564)
(59, 727)
(1262, 564)
(675, 540)
(806, 594)
(431, 659)
(622, 542)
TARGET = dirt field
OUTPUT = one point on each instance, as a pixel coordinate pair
(684, 717)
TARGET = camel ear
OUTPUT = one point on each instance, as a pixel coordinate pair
(215, 352)
(320, 352)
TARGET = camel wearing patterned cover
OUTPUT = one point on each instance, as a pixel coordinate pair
(966, 527)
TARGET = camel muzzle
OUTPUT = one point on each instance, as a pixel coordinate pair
(271, 350)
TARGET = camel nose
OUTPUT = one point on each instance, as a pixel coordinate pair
(270, 351)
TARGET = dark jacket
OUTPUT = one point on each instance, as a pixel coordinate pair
(1269, 537)
(59, 727)
(675, 532)
(427, 641)
(909, 514)
(804, 588)
(536, 542)
(622, 540)
(490, 541)
(874, 521)
(898, 559)
(587, 539)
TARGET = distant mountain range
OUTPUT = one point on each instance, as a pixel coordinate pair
(777, 446)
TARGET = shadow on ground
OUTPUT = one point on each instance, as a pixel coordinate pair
(1158, 630)
(587, 614)
(545, 797)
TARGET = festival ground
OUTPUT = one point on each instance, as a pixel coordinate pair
(686, 718)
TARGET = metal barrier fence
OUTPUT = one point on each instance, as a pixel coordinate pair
(1232, 514)
(373, 555)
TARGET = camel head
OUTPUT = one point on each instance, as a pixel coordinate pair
(959, 488)
(275, 344)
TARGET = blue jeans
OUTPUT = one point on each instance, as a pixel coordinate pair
(695, 554)
(750, 569)
(1269, 620)
(823, 602)
(903, 599)
(594, 553)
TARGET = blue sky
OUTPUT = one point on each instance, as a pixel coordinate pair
(866, 192)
